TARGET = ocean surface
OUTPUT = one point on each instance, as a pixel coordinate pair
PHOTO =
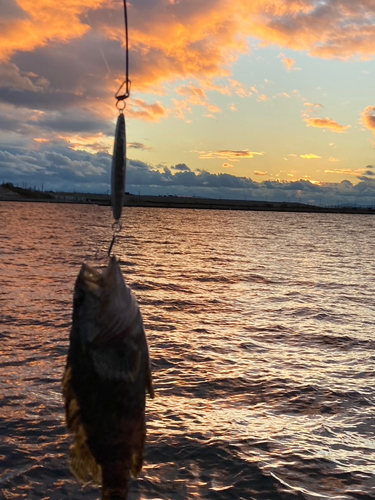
(262, 339)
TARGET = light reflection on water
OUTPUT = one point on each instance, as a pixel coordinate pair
(260, 328)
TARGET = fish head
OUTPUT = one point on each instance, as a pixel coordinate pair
(103, 305)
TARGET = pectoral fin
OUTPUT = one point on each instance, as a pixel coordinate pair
(82, 463)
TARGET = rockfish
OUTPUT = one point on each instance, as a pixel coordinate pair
(105, 381)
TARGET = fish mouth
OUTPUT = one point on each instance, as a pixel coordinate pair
(95, 281)
(90, 279)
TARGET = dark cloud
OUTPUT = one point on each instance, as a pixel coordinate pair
(66, 169)
(138, 145)
(181, 167)
(11, 10)
(62, 169)
(26, 126)
(48, 100)
(74, 121)
(10, 122)
(71, 67)
(81, 72)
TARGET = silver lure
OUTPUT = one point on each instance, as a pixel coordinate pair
(118, 168)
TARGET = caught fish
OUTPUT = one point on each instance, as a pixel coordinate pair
(118, 168)
(105, 381)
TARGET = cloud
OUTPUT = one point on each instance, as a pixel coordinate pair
(333, 159)
(70, 55)
(15, 80)
(311, 105)
(138, 108)
(310, 157)
(326, 123)
(195, 96)
(281, 94)
(339, 29)
(191, 90)
(240, 89)
(231, 155)
(36, 23)
(90, 143)
(174, 40)
(359, 172)
(368, 118)
(65, 169)
(181, 108)
(181, 167)
(40, 140)
(61, 168)
(288, 62)
(258, 172)
(138, 145)
(227, 165)
(10, 10)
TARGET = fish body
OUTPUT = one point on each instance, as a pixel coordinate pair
(105, 381)
(118, 168)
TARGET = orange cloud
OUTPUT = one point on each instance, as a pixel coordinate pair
(171, 40)
(191, 90)
(240, 89)
(310, 157)
(327, 123)
(311, 105)
(349, 171)
(40, 140)
(138, 108)
(181, 108)
(231, 155)
(41, 22)
(368, 118)
(258, 172)
(333, 159)
(227, 165)
(288, 63)
(98, 143)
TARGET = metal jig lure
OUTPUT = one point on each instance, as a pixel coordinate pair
(118, 168)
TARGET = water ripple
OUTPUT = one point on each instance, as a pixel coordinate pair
(260, 328)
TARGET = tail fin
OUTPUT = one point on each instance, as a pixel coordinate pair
(115, 482)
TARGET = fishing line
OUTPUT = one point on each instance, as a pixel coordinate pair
(118, 176)
(126, 83)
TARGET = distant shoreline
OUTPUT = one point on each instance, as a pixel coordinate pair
(173, 202)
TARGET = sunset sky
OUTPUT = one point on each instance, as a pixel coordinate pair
(263, 99)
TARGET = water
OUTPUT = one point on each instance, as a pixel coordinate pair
(261, 332)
